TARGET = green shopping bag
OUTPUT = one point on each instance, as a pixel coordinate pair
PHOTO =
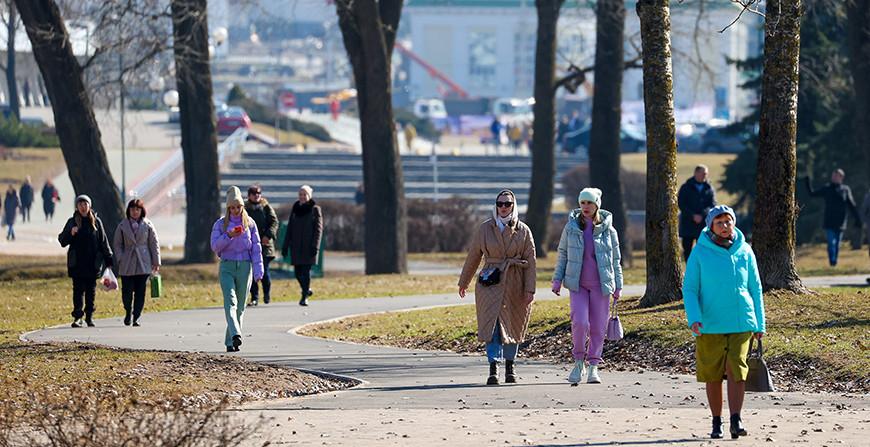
(156, 286)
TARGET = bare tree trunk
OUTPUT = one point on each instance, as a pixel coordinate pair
(11, 80)
(74, 119)
(541, 189)
(664, 276)
(604, 138)
(368, 28)
(775, 209)
(198, 138)
(858, 26)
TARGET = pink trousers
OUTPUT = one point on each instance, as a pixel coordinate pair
(589, 312)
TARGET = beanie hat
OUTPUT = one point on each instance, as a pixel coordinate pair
(590, 195)
(234, 197)
(718, 211)
(83, 198)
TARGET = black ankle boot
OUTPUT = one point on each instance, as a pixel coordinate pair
(717, 428)
(736, 427)
(509, 376)
(493, 374)
(127, 319)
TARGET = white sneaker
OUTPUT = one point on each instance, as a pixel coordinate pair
(592, 374)
(577, 373)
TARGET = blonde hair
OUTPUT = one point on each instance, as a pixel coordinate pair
(246, 222)
(596, 219)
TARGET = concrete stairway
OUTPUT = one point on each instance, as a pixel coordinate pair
(335, 176)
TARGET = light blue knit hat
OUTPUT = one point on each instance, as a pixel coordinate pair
(718, 211)
(590, 195)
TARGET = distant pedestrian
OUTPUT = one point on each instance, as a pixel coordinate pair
(410, 133)
(302, 241)
(838, 200)
(359, 197)
(695, 199)
(588, 265)
(88, 256)
(137, 256)
(724, 309)
(561, 130)
(515, 136)
(236, 241)
(26, 195)
(505, 286)
(865, 217)
(259, 209)
(50, 197)
(495, 128)
(11, 204)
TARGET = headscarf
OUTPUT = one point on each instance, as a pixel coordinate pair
(514, 216)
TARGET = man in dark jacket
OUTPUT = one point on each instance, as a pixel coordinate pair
(838, 200)
(258, 208)
(695, 199)
(26, 196)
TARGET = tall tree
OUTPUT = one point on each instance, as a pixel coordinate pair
(604, 138)
(198, 137)
(775, 208)
(664, 276)
(368, 28)
(541, 189)
(11, 22)
(858, 26)
(73, 111)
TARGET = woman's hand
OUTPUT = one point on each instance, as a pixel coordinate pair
(758, 335)
(557, 287)
(696, 327)
(73, 231)
(155, 268)
(530, 296)
(462, 291)
(616, 294)
(234, 232)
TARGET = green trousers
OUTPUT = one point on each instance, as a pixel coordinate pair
(235, 279)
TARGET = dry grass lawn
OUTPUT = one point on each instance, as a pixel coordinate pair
(39, 164)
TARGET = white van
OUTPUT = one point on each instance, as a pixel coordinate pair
(432, 108)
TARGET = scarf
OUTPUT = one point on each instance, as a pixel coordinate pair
(303, 209)
(723, 242)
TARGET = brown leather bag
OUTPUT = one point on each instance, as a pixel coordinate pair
(758, 379)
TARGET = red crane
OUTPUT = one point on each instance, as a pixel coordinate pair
(433, 72)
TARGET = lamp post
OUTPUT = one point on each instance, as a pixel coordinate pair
(170, 98)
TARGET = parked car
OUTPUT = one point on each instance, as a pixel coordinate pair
(232, 118)
(722, 140)
(631, 139)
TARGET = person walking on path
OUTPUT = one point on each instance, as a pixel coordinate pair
(236, 241)
(50, 197)
(865, 218)
(88, 255)
(302, 240)
(495, 129)
(11, 204)
(695, 199)
(588, 265)
(26, 195)
(137, 257)
(505, 286)
(264, 216)
(410, 133)
(838, 200)
(724, 310)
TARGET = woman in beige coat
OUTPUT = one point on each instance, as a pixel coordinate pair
(503, 306)
(137, 256)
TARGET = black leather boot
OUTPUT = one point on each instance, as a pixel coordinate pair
(127, 318)
(509, 376)
(717, 428)
(493, 374)
(736, 427)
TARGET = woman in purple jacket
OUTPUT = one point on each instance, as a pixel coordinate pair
(234, 238)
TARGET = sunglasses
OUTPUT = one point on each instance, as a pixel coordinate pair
(504, 204)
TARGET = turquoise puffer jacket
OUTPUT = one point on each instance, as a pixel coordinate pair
(722, 288)
(569, 264)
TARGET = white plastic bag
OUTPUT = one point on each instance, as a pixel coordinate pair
(108, 282)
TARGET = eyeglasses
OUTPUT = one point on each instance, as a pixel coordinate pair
(724, 223)
(504, 204)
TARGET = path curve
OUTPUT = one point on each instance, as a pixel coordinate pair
(438, 397)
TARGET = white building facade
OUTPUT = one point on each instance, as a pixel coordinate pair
(488, 48)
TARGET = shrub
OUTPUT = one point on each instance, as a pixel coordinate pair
(15, 134)
(445, 226)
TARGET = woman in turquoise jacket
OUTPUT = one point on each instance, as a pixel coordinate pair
(724, 309)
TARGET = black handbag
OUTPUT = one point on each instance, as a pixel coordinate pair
(758, 379)
(489, 276)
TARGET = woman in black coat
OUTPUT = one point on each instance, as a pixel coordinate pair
(302, 241)
(89, 253)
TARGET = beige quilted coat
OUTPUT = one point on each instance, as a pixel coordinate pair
(513, 252)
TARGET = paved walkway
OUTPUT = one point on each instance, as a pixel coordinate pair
(415, 397)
